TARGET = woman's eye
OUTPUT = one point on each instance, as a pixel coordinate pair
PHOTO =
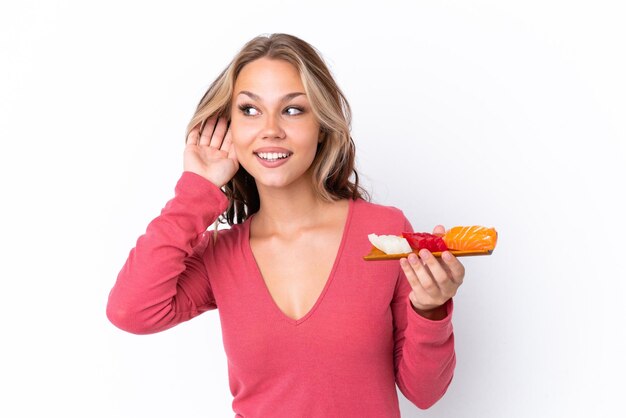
(297, 111)
(245, 108)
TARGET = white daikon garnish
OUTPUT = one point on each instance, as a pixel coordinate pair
(390, 244)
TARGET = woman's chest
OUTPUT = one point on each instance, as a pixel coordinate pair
(350, 320)
(295, 273)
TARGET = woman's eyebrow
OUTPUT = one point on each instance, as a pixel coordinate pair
(256, 97)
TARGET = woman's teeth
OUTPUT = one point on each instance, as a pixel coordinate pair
(272, 156)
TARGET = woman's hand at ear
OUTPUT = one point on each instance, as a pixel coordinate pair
(433, 280)
(210, 153)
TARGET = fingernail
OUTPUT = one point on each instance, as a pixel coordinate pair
(412, 259)
(424, 254)
(447, 256)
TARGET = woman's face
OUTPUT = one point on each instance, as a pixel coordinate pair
(274, 131)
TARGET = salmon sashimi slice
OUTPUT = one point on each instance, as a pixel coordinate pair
(469, 238)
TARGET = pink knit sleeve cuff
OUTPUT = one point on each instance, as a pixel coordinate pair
(417, 320)
(195, 186)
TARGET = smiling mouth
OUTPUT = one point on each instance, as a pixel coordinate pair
(272, 156)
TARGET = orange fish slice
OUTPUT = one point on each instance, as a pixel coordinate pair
(471, 238)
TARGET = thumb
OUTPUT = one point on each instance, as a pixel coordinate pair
(232, 154)
(439, 230)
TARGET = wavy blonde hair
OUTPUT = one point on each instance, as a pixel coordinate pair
(334, 163)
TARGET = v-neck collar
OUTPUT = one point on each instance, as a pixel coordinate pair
(259, 275)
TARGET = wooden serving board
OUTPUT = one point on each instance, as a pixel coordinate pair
(377, 255)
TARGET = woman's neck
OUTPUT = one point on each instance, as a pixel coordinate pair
(288, 210)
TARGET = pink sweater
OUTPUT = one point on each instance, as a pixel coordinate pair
(343, 358)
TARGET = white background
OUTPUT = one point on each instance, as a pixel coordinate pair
(501, 113)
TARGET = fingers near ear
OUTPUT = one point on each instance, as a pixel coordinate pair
(207, 130)
(233, 155)
(228, 141)
(218, 135)
(192, 137)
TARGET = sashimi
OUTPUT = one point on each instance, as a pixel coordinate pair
(419, 240)
(470, 238)
(390, 244)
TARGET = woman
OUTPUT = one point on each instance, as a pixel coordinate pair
(309, 328)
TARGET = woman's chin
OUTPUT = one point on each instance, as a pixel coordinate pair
(273, 183)
(276, 182)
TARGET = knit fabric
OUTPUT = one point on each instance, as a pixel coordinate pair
(343, 358)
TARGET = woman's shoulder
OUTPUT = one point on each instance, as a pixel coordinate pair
(228, 238)
(379, 215)
(377, 208)
(234, 233)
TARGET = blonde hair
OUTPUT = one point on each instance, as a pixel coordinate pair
(334, 163)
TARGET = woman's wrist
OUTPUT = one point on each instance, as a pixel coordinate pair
(434, 314)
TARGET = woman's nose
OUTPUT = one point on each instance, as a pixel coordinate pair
(273, 128)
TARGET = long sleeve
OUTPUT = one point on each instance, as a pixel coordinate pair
(424, 357)
(164, 280)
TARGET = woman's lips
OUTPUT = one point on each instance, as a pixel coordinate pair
(272, 159)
